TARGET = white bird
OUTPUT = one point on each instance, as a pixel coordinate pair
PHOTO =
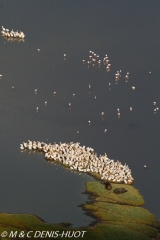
(133, 88)
(38, 50)
(21, 147)
(54, 93)
(89, 122)
(35, 91)
(45, 103)
(154, 103)
(74, 94)
(3, 28)
(69, 105)
(130, 109)
(37, 109)
(102, 114)
(105, 130)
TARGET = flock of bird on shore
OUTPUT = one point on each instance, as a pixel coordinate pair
(82, 159)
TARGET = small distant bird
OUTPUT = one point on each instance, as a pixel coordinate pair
(130, 109)
(89, 122)
(109, 84)
(102, 114)
(38, 50)
(45, 103)
(1, 75)
(95, 97)
(77, 132)
(154, 103)
(74, 94)
(37, 109)
(105, 130)
(118, 114)
(83, 61)
(12, 87)
(89, 86)
(133, 88)
(35, 91)
(69, 105)
(145, 166)
(118, 110)
(54, 93)
(150, 72)
(65, 55)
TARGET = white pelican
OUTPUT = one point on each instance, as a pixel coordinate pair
(21, 147)
(3, 28)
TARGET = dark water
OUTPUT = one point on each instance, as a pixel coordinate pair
(128, 31)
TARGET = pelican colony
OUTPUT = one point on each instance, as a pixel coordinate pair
(11, 34)
(83, 159)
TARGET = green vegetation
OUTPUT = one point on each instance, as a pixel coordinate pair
(119, 216)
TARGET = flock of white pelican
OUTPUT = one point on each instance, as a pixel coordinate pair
(82, 159)
(11, 34)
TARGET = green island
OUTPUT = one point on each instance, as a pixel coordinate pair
(117, 216)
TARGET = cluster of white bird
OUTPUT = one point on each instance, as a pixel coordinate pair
(83, 159)
(155, 109)
(11, 34)
(94, 58)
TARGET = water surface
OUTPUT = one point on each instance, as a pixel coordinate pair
(128, 31)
